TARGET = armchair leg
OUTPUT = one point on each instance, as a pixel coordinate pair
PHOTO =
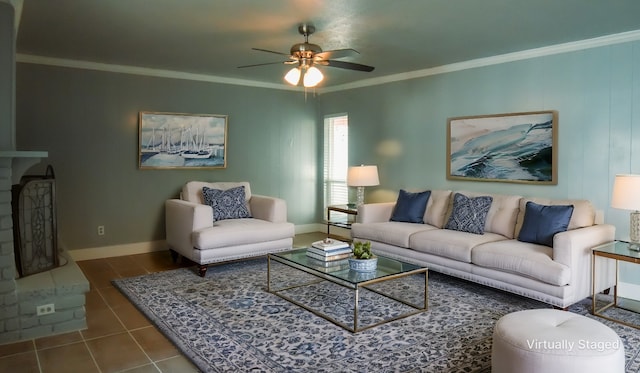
(202, 270)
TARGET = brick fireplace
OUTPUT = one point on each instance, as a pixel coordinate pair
(59, 293)
(45, 303)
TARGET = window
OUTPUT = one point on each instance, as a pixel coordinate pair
(336, 160)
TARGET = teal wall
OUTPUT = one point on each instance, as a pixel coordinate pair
(7, 72)
(88, 122)
(401, 126)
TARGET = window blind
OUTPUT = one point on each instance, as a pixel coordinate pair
(336, 160)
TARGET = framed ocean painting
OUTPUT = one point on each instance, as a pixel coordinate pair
(182, 141)
(515, 148)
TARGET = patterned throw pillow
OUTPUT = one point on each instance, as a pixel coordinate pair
(226, 204)
(469, 214)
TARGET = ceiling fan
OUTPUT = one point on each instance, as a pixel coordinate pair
(306, 55)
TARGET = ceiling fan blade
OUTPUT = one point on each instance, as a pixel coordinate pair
(262, 64)
(337, 53)
(349, 65)
(268, 51)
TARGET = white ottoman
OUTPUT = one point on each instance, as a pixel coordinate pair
(548, 340)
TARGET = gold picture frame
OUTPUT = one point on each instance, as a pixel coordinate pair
(514, 148)
(182, 141)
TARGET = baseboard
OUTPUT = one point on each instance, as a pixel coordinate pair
(340, 233)
(117, 250)
(160, 245)
(629, 290)
(310, 228)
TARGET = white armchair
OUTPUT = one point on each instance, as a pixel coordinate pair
(193, 233)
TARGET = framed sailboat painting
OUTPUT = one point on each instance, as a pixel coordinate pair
(187, 141)
(515, 148)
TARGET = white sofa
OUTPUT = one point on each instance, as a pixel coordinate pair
(193, 233)
(558, 275)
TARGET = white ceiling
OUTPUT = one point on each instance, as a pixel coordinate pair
(213, 37)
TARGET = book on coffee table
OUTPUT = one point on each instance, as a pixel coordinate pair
(330, 244)
(330, 252)
(328, 256)
(330, 266)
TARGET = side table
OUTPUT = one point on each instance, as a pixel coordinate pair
(618, 251)
(349, 216)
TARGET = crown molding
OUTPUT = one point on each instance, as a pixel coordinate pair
(624, 37)
(135, 70)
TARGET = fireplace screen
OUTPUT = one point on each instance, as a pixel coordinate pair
(34, 223)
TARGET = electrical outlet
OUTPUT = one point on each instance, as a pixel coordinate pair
(45, 309)
(100, 230)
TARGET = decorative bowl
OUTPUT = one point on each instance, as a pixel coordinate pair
(363, 265)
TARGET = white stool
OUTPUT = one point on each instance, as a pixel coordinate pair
(548, 340)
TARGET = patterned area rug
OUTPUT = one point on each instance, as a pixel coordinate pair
(228, 322)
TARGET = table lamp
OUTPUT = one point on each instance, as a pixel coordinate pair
(360, 177)
(626, 196)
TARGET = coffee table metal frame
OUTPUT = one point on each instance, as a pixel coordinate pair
(339, 278)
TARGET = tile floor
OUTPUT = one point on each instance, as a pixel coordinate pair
(118, 338)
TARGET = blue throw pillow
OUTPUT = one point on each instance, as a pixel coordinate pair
(226, 204)
(469, 214)
(410, 207)
(542, 222)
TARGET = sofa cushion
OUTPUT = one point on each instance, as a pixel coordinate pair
(437, 207)
(450, 244)
(192, 191)
(584, 214)
(390, 232)
(469, 214)
(410, 207)
(236, 232)
(522, 258)
(226, 204)
(542, 222)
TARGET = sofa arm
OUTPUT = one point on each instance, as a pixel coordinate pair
(573, 244)
(375, 212)
(181, 219)
(268, 208)
(573, 248)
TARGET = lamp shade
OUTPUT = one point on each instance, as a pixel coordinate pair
(626, 192)
(363, 176)
(293, 76)
(312, 77)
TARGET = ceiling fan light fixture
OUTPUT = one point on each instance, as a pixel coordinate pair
(312, 77)
(293, 76)
(306, 55)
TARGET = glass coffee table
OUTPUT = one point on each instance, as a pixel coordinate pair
(316, 273)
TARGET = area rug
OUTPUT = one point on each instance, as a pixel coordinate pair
(228, 322)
